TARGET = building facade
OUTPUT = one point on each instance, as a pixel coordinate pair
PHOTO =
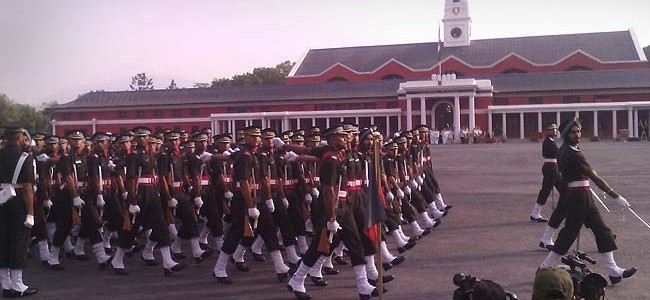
(509, 86)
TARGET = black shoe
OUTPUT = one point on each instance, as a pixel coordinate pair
(108, 251)
(293, 268)
(224, 280)
(82, 257)
(330, 271)
(282, 277)
(178, 256)
(408, 245)
(538, 220)
(258, 257)
(386, 266)
(176, 268)
(318, 281)
(204, 246)
(386, 278)
(135, 249)
(339, 260)
(120, 271)
(69, 255)
(545, 246)
(44, 263)
(16, 294)
(426, 232)
(149, 262)
(448, 207)
(375, 293)
(413, 239)
(299, 295)
(241, 266)
(204, 255)
(56, 267)
(102, 266)
(398, 260)
(436, 223)
(627, 273)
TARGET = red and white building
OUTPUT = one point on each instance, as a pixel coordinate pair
(513, 85)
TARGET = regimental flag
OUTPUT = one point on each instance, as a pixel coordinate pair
(376, 204)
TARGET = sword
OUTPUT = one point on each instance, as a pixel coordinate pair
(254, 197)
(638, 217)
(171, 169)
(330, 238)
(74, 167)
(598, 198)
(101, 189)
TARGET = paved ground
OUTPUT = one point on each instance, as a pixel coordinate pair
(487, 234)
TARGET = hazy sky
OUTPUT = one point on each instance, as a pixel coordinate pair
(55, 50)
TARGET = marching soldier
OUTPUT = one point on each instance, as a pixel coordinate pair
(549, 170)
(16, 212)
(43, 204)
(580, 207)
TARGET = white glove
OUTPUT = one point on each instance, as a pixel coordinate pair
(315, 192)
(323, 143)
(400, 194)
(333, 226)
(198, 202)
(125, 195)
(47, 203)
(172, 203)
(308, 199)
(29, 221)
(78, 202)
(111, 165)
(414, 184)
(621, 202)
(285, 202)
(205, 157)
(227, 153)
(270, 205)
(420, 180)
(228, 195)
(407, 190)
(100, 201)
(134, 209)
(254, 213)
(42, 158)
(390, 196)
(424, 175)
(277, 142)
(290, 156)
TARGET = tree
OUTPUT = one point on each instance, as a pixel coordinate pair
(172, 85)
(34, 120)
(140, 82)
(261, 75)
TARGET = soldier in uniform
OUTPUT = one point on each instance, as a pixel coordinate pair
(16, 212)
(580, 207)
(394, 196)
(43, 204)
(329, 217)
(549, 170)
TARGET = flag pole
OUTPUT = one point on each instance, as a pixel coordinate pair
(439, 56)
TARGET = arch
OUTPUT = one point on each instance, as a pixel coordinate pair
(449, 107)
(337, 79)
(513, 71)
(578, 68)
(392, 76)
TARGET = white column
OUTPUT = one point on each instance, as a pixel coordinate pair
(94, 121)
(409, 114)
(557, 118)
(313, 122)
(423, 114)
(595, 123)
(636, 123)
(285, 123)
(399, 120)
(577, 115)
(53, 127)
(372, 120)
(327, 122)
(630, 122)
(614, 124)
(457, 118)
(503, 122)
(387, 125)
(356, 120)
(490, 124)
(521, 125)
(297, 123)
(539, 121)
(472, 114)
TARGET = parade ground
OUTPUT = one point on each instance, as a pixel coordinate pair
(487, 234)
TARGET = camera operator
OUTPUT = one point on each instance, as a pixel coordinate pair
(552, 283)
(580, 207)
(471, 288)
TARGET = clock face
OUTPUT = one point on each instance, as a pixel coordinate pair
(456, 32)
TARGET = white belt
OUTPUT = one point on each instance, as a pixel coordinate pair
(106, 182)
(366, 182)
(579, 183)
(205, 182)
(146, 180)
(176, 184)
(352, 183)
(273, 181)
(254, 186)
(343, 195)
(288, 182)
(81, 184)
(358, 182)
(7, 185)
(227, 179)
(316, 179)
(550, 160)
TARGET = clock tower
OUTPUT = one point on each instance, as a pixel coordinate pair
(457, 23)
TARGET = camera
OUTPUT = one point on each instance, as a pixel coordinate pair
(467, 283)
(586, 284)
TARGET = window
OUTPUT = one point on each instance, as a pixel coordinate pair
(83, 115)
(571, 99)
(195, 129)
(392, 76)
(578, 68)
(157, 113)
(340, 106)
(513, 71)
(502, 101)
(123, 114)
(176, 113)
(194, 112)
(337, 79)
(66, 116)
(535, 100)
(369, 105)
(139, 114)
